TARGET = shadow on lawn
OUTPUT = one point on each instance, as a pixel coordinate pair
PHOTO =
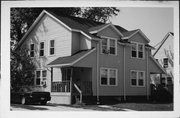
(28, 107)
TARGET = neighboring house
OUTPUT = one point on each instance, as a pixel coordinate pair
(79, 57)
(164, 54)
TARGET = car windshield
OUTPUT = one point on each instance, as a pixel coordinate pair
(31, 89)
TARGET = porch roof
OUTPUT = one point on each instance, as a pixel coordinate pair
(70, 60)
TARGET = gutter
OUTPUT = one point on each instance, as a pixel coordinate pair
(124, 75)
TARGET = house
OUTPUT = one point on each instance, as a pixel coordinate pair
(164, 55)
(79, 57)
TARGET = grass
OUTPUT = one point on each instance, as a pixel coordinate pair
(129, 107)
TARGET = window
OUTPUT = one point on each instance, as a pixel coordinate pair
(104, 76)
(137, 78)
(140, 50)
(51, 47)
(41, 77)
(134, 50)
(112, 46)
(32, 50)
(165, 62)
(41, 49)
(137, 50)
(108, 46)
(108, 77)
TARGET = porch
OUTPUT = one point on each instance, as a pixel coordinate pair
(72, 86)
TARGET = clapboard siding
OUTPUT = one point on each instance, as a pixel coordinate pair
(48, 29)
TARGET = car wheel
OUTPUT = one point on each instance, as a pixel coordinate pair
(43, 102)
(23, 100)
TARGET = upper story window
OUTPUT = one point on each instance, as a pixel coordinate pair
(108, 77)
(41, 49)
(52, 48)
(165, 62)
(31, 50)
(108, 46)
(137, 78)
(137, 50)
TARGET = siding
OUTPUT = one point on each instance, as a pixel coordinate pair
(138, 38)
(85, 43)
(112, 62)
(48, 29)
(75, 42)
(109, 32)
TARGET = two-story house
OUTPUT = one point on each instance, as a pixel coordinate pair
(164, 54)
(76, 56)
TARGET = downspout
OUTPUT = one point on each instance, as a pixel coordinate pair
(147, 73)
(97, 67)
(124, 67)
(51, 77)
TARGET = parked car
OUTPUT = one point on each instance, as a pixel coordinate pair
(29, 95)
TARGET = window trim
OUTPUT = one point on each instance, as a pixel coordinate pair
(41, 49)
(41, 77)
(137, 78)
(108, 76)
(137, 50)
(32, 50)
(51, 47)
(108, 45)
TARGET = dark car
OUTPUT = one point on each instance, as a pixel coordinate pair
(29, 95)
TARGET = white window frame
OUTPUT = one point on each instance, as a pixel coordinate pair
(51, 47)
(32, 50)
(108, 76)
(137, 78)
(41, 77)
(41, 49)
(137, 50)
(108, 45)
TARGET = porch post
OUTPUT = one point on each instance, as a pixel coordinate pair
(51, 77)
(97, 67)
(147, 73)
(71, 84)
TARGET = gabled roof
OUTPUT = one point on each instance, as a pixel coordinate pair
(99, 28)
(163, 41)
(70, 60)
(157, 63)
(129, 34)
(75, 24)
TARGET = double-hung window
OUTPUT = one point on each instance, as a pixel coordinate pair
(52, 47)
(137, 78)
(108, 77)
(41, 49)
(104, 46)
(137, 50)
(31, 50)
(165, 62)
(41, 77)
(109, 46)
(112, 46)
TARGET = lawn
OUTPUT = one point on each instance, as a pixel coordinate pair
(130, 107)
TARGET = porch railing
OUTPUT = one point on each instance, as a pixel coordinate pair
(63, 86)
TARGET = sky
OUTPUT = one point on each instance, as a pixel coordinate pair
(155, 23)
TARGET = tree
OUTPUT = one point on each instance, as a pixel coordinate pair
(22, 68)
